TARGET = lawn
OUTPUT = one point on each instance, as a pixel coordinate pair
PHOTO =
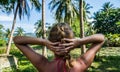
(106, 60)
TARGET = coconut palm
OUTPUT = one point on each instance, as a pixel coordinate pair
(83, 49)
(64, 10)
(44, 51)
(21, 7)
(107, 6)
(19, 31)
(5, 6)
(86, 11)
(7, 33)
(1, 31)
(39, 30)
(38, 27)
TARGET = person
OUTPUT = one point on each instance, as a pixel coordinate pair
(61, 41)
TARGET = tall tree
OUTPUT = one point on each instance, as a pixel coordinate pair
(43, 27)
(7, 33)
(39, 30)
(38, 27)
(86, 17)
(107, 6)
(107, 20)
(64, 10)
(19, 31)
(1, 31)
(86, 12)
(21, 7)
(5, 6)
(83, 49)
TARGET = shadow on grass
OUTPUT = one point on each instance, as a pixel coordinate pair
(106, 64)
(101, 64)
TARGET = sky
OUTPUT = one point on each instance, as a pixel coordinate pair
(28, 24)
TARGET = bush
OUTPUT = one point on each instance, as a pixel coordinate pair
(2, 43)
(112, 40)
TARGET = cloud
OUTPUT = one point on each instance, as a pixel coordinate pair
(26, 27)
(29, 28)
(6, 18)
(90, 20)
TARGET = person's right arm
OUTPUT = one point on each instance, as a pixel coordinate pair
(96, 42)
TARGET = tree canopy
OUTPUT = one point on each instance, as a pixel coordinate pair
(107, 20)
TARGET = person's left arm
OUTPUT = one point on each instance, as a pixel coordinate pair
(23, 42)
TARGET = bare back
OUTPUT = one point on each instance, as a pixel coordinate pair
(43, 65)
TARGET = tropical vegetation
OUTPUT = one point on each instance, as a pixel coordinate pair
(77, 14)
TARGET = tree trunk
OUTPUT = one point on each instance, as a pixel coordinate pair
(11, 33)
(83, 48)
(44, 50)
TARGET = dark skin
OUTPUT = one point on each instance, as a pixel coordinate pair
(42, 64)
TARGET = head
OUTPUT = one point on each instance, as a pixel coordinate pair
(60, 31)
(57, 33)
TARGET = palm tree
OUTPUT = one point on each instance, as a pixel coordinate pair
(1, 31)
(107, 6)
(20, 31)
(65, 10)
(7, 33)
(39, 30)
(43, 27)
(83, 49)
(5, 6)
(86, 16)
(86, 11)
(21, 8)
(38, 27)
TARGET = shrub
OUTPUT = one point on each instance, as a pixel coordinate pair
(2, 43)
(112, 40)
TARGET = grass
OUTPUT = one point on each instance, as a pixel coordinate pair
(106, 60)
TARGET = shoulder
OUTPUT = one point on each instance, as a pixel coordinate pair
(42, 63)
(79, 64)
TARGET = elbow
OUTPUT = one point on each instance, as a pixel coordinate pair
(15, 39)
(102, 38)
(99, 38)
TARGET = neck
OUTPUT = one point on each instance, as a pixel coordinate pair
(64, 57)
(59, 57)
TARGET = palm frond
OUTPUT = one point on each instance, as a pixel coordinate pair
(36, 4)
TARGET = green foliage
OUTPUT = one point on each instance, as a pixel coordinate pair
(5, 5)
(106, 64)
(2, 50)
(1, 31)
(107, 20)
(65, 10)
(38, 28)
(107, 61)
(112, 40)
(76, 27)
(2, 42)
(7, 33)
(87, 27)
(19, 31)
